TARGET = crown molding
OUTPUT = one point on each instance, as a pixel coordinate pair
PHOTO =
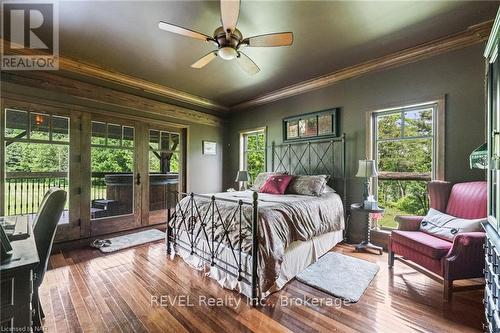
(90, 70)
(472, 35)
(105, 97)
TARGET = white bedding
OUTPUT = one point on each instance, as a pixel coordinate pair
(283, 220)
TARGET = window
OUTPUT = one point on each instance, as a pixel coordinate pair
(36, 158)
(253, 152)
(406, 145)
(112, 164)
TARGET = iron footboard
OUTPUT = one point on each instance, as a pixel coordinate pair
(200, 225)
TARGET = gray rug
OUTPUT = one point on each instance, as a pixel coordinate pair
(138, 238)
(340, 275)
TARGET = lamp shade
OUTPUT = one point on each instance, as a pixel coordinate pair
(367, 169)
(242, 176)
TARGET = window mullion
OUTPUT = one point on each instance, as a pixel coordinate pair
(403, 123)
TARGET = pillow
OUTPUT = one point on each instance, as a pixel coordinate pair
(307, 185)
(261, 179)
(276, 184)
(446, 226)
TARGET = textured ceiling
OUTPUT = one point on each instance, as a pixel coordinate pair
(328, 35)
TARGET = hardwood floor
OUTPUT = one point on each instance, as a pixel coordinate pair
(86, 291)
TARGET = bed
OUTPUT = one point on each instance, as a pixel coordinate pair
(255, 242)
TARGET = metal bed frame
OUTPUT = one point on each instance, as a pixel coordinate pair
(299, 157)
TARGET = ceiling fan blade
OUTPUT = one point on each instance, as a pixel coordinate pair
(247, 64)
(203, 61)
(229, 12)
(182, 31)
(276, 39)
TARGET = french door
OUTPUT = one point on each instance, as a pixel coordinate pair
(115, 175)
(165, 172)
(120, 173)
(136, 171)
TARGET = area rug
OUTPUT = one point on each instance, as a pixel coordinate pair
(340, 275)
(126, 241)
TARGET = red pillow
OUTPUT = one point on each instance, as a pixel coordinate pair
(276, 184)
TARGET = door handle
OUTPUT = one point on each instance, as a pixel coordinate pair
(138, 179)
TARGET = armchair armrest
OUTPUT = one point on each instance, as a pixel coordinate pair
(466, 257)
(408, 223)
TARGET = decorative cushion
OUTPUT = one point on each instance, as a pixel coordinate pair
(261, 179)
(276, 184)
(446, 226)
(421, 242)
(307, 185)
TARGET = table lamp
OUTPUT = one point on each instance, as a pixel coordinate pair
(242, 178)
(366, 170)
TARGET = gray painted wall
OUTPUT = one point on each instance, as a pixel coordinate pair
(204, 172)
(458, 74)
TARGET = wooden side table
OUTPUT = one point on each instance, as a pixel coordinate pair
(366, 245)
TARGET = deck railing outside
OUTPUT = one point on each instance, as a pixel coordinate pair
(24, 191)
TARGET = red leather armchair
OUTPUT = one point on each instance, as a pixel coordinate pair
(461, 259)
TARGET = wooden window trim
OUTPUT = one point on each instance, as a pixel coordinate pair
(439, 135)
(241, 151)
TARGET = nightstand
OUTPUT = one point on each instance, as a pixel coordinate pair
(366, 245)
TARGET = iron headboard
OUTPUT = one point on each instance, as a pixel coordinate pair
(314, 157)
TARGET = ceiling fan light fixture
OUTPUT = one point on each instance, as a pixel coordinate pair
(227, 53)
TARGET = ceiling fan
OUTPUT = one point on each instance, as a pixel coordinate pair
(229, 40)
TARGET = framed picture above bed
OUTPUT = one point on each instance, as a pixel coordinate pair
(311, 125)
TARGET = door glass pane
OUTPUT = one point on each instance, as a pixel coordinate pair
(128, 137)
(60, 128)
(16, 124)
(164, 157)
(114, 135)
(154, 139)
(165, 141)
(98, 133)
(112, 191)
(175, 139)
(39, 126)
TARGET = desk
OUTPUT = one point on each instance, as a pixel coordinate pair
(16, 275)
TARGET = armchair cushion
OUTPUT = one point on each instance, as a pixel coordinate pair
(421, 242)
(446, 226)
